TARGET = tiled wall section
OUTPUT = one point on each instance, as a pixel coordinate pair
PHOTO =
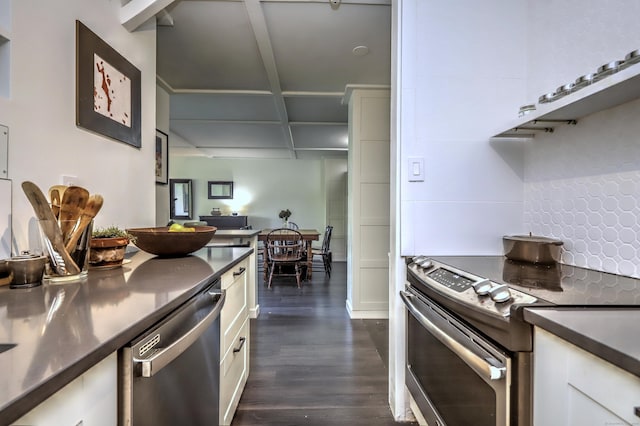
(582, 185)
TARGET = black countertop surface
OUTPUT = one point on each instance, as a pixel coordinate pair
(51, 334)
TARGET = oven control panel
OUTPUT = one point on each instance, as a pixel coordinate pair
(450, 279)
(468, 288)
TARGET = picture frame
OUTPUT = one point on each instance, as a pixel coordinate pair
(162, 157)
(108, 96)
(220, 190)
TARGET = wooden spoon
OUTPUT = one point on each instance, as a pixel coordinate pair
(49, 224)
(55, 196)
(73, 203)
(94, 204)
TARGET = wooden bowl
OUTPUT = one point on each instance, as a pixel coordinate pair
(161, 242)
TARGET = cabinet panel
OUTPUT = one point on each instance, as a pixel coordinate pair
(234, 371)
(572, 386)
(91, 399)
(236, 307)
(234, 364)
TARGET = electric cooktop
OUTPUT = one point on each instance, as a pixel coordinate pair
(558, 284)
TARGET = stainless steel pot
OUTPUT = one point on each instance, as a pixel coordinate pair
(27, 270)
(532, 248)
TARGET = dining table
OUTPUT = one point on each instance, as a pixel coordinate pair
(308, 235)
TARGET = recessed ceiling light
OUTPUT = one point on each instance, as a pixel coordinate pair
(360, 50)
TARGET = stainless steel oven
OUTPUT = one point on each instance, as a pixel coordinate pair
(468, 360)
(462, 378)
(469, 350)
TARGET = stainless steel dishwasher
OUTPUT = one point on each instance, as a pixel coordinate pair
(170, 375)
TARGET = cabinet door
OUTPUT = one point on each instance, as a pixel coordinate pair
(574, 387)
(234, 372)
(91, 399)
(236, 305)
(234, 355)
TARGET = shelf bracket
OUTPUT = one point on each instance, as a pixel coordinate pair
(568, 122)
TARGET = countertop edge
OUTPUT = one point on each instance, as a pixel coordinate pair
(30, 399)
(599, 348)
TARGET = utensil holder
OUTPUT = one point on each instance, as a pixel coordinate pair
(56, 270)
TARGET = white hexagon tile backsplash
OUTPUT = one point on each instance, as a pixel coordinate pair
(582, 185)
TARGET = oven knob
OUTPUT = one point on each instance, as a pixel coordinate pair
(425, 264)
(482, 287)
(500, 293)
(418, 259)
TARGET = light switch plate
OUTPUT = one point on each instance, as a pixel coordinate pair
(415, 169)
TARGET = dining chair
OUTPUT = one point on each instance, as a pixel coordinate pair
(325, 252)
(285, 250)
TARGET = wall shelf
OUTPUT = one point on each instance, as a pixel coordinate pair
(614, 90)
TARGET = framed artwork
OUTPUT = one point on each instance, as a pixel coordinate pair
(220, 190)
(107, 89)
(162, 157)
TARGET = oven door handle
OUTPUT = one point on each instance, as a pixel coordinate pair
(480, 365)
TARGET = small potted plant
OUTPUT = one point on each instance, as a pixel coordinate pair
(285, 214)
(108, 246)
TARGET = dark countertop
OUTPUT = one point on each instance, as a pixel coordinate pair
(62, 330)
(609, 333)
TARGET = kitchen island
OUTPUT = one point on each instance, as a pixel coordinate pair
(53, 334)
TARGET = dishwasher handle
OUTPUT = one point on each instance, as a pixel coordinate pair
(164, 356)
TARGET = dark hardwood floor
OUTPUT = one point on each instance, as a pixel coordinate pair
(310, 363)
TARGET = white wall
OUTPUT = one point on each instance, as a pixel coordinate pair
(463, 74)
(162, 123)
(44, 142)
(582, 183)
(261, 188)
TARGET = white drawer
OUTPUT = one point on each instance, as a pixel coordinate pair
(236, 273)
(234, 371)
(236, 307)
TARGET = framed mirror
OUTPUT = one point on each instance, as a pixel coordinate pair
(181, 198)
(220, 190)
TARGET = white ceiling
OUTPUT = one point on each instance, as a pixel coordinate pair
(267, 78)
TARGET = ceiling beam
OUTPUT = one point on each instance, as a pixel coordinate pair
(137, 12)
(261, 33)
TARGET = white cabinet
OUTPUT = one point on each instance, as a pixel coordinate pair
(234, 335)
(89, 400)
(234, 238)
(574, 387)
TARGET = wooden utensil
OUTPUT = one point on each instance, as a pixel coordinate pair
(94, 204)
(49, 224)
(73, 203)
(55, 196)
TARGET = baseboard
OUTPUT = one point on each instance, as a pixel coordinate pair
(254, 312)
(366, 314)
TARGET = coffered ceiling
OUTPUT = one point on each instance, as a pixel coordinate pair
(267, 78)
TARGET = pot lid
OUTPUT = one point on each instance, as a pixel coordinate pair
(533, 239)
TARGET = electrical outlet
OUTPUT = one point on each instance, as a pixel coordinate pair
(69, 180)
